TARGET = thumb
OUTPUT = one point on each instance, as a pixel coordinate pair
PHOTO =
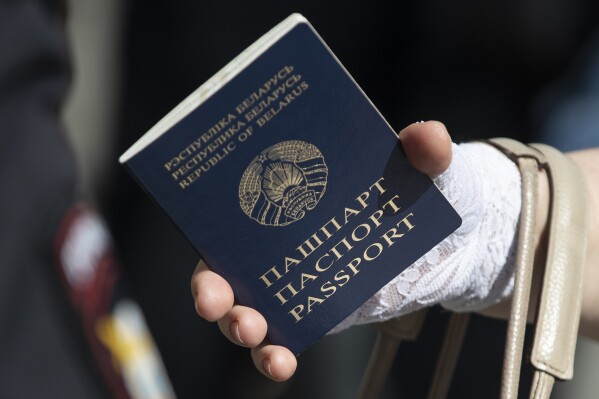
(427, 146)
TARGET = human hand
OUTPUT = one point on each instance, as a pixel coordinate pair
(427, 146)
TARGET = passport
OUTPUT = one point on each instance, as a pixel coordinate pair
(290, 184)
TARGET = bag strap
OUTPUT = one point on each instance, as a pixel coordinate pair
(558, 313)
(561, 298)
(390, 335)
(448, 358)
(528, 161)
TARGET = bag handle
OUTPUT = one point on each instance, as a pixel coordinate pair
(561, 298)
(390, 335)
(528, 161)
(558, 313)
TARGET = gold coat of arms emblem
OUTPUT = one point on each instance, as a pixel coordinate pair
(283, 183)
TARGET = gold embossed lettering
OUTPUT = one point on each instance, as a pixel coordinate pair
(290, 262)
(392, 233)
(407, 222)
(273, 270)
(306, 278)
(312, 300)
(370, 257)
(347, 246)
(378, 186)
(295, 312)
(320, 268)
(353, 265)
(335, 224)
(328, 289)
(342, 277)
(280, 294)
(392, 204)
(366, 230)
(375, 217)
(310, 245)
(362, 199)
(349, 212)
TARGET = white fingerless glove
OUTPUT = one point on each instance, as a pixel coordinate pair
(472, 268)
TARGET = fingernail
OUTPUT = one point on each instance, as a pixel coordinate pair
(235, 332)
(266, 366)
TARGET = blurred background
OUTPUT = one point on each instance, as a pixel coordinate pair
(526, 69)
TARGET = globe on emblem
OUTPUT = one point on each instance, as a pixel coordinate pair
(283, 182)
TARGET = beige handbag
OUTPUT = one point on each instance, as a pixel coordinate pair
(558, 312)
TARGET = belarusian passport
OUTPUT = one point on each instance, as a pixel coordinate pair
(290, 184)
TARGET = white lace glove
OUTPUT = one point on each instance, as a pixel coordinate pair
(473, 267)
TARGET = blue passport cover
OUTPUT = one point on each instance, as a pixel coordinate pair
(292, 186)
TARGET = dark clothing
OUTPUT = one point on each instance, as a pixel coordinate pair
(42, 352)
